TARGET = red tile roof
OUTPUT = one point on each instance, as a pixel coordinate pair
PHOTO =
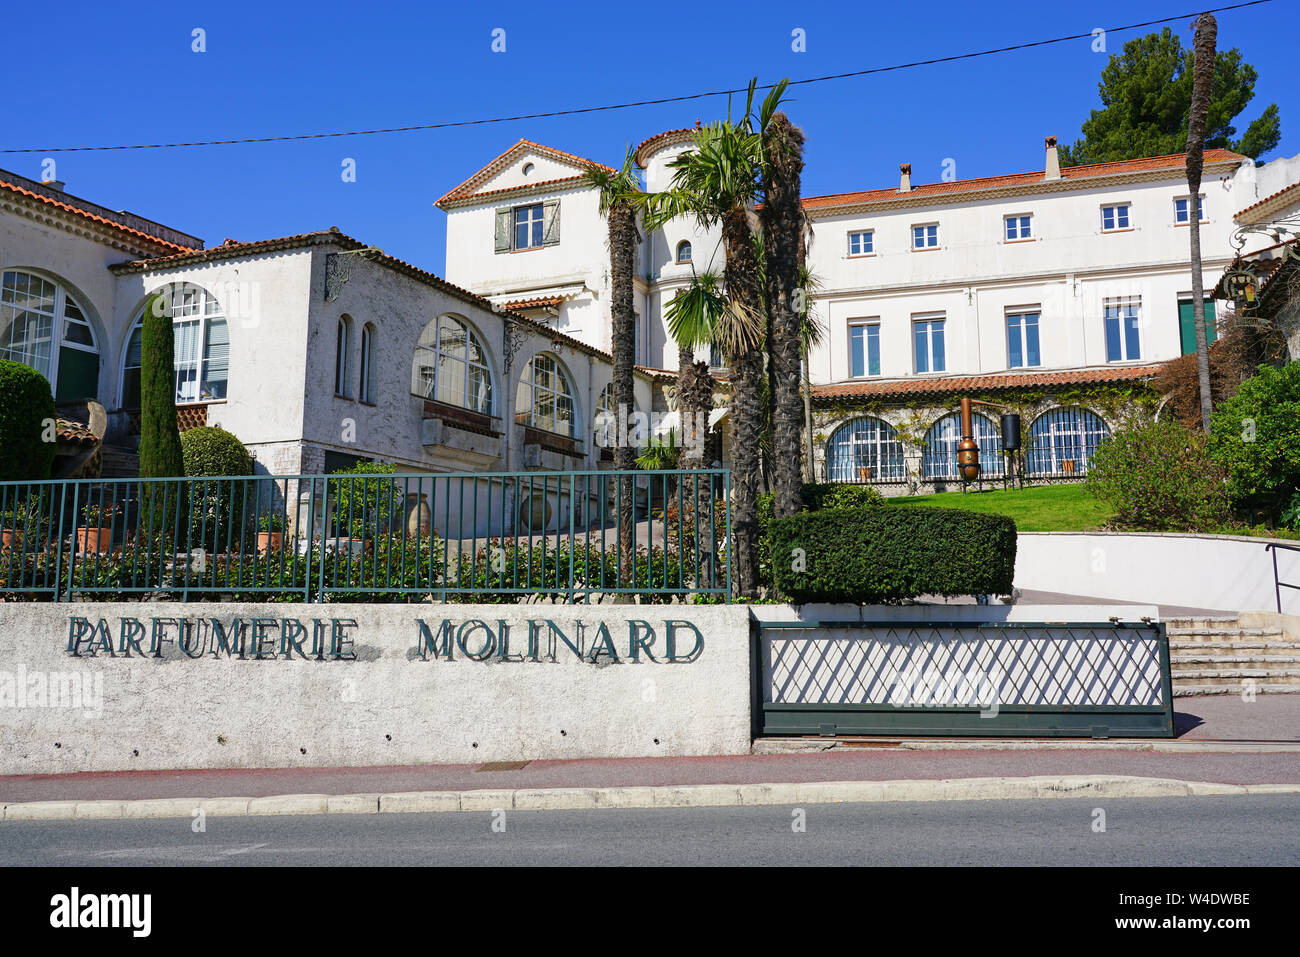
(947, 385)
(518, 304)
(71, 432)
(1294, 187)
(468, 187)
(68, 207)
(660, 140)
(1090, 171)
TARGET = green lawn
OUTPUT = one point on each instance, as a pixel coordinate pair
(1047, 508)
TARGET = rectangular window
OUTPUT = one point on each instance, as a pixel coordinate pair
(927, 344)
(528, 226)
(862, 243)
(1022, 339)
(864, 350)
(1122, 342)
(925, 237)
(1018, 227)
(1114, 217)
(1183, 204)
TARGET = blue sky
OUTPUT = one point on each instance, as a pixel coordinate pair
(127, 74)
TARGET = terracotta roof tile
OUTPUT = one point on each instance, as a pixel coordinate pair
(71, 432)
(93, 217)
(1093, 170)
(668, 137)
(515, 304)
(1294, 187)
(947, 385)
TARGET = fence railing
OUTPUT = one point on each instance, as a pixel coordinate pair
(370, 537)
(1278, 584)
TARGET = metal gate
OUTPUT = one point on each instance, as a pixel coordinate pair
(963, 678)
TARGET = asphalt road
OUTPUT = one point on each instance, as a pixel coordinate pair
(1250, 830)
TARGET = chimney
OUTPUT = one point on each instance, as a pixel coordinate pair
(1053, 168)
(905, 177)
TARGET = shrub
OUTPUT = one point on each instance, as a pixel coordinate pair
(363, 506)
(26, 409)
(821, 495)
(884, 555)
(816, 496)
(1255, 437)
(1291, 514)
(1159, 475)
(215, 507)
(211, 450)
(160, 444)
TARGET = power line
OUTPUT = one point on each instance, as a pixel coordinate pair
(631, 104)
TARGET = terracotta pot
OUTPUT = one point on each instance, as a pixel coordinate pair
(269, 542)
(11, 539)
(97, 540)
(419, 517)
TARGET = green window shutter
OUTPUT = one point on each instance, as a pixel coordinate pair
(503, 230)
(551, 222)
(1187, 325)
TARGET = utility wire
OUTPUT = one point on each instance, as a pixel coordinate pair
(631, 104)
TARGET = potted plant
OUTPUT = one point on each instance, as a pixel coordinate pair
(96, 533)
(270, 536)
(12, 522)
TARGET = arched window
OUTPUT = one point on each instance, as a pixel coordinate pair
(683, 252)
(1062, 442)
(939, 459)
(545, 397)
(451, 366)
(42, 326)
(201, 347)
(367, 392)
(605, 433)
(342, 356)
(865, 450)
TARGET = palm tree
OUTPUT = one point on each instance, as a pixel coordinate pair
(719, 182)
(693, 318)
(1202, 79)
(616, 189)
(783, 222)
(811, 334)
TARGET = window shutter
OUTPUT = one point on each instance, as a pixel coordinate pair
(551, 223)
(503, 230)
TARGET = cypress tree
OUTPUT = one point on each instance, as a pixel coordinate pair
(160, 439)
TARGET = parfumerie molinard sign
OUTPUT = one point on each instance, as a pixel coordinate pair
(674, 641)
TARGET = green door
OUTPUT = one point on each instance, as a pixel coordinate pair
(1187, 324)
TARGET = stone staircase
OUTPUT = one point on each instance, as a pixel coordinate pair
(119, 462)
(1220, 656)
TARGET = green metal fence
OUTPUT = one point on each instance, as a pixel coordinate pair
(372, 537)
(963, 678)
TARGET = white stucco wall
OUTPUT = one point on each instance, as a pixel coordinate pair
(1192, 571)
(389, 706)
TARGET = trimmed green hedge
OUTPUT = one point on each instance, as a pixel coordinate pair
(211, 450)
(872, 555)
(26, 404)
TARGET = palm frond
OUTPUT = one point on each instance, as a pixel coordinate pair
(622, 184)
(694, 315)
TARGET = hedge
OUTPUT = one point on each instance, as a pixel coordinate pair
(26, 412)
(873, 555)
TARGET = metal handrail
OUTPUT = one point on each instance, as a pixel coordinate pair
(1278, 585)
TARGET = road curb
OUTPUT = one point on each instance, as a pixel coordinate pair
(697, 795)
(806, 745)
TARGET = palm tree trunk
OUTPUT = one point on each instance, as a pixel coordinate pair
(694, 403)
(1202, 78)
(622, 256)
(808, 465)
(745, 360)
(783, 221)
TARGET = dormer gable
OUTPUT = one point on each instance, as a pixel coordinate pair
(525, 166)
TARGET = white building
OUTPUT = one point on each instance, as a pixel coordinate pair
(315, 350)
(1049, 281)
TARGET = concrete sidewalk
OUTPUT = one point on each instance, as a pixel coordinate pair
(1225, 743)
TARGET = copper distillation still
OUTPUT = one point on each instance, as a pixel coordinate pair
(968, 450)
